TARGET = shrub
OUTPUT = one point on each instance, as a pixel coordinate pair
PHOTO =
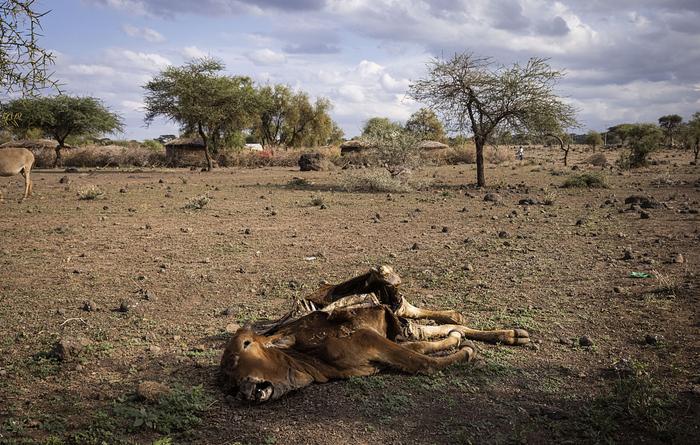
(152, 144)
(197, 202)
(598, 160)
(374, 181)
(461, 154)
(498, 155)
(585, 180)
(89, 193)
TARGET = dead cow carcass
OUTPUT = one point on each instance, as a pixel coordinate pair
(355, 328)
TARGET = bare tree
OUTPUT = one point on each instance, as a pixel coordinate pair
(24, 65)
(475, 95)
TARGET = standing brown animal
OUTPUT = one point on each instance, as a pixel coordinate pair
(347, 332)
(17, 160)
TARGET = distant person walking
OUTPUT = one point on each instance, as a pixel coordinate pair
(520, 154)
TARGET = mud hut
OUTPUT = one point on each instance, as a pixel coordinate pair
(431, 146)
(353, 146)
(183, 152)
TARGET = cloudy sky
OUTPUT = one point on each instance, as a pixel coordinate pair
(626, 60)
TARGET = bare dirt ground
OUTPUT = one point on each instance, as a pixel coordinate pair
(559, 270)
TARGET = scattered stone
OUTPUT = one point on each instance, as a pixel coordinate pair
(122, 190)
(566, 341)
(311, 162)
(147, 294)
(415, 246)
(644, 214)
(126, 305)
(503, 234)
(644, 202)
(185, 229)
(623, 368)
(617, 289)
(492, 197)
(160, 181)
(652, 339)
(628, 254)
(585, 340)
(678, 259)
(70, 348)
(529, 202)
(445, 229)
(323, 207)
(64, 180)
(61, 311)
(468, 267)
(71, 170)
(90, 306)
(151, 391)
(246, 231)
(154, 349)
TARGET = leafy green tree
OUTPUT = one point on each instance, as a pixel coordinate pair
(202, 101)
(690, 135)
(621, 132)
(474, 95)
(24, 64)
(286, 118)
(380, 127)
(670, 123)
(593, 139)
(273, 107)
(62, 116)
(425, 126)
(643, 139)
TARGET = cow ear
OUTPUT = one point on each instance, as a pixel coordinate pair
(282, 342)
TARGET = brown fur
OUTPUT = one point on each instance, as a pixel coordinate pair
(14, 161)
(353, 335)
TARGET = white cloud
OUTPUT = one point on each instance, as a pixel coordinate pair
(353, 93)
(132, 105)
(148, 34)
(394, 85)
(266, 57)
(91, 70)
(139, 60)
(192, 52)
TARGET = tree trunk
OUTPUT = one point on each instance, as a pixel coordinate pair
(203, 135)
(480, 178)
(566, 152)
(561, 145)
(696, 149)
(59, 158)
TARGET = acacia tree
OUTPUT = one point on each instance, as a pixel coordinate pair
(61, 116)
(380, 127)
(643, 139)
(670, 124)
(425, 126)
(593, 139)
(690, 135)
(201, 100)
(475, 95)
(24, 65)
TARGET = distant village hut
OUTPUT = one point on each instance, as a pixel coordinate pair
(182, 152)
(432, 146)
(353, 146)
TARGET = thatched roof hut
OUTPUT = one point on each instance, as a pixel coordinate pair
(432, 145)
(185, 151)
(33, 144)
(353, 146)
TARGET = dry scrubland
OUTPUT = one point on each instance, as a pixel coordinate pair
(151, 266)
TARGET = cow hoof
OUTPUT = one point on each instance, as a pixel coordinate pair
(517, 337)
(469, 348)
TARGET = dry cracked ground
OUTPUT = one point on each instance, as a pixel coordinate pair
(100, 295)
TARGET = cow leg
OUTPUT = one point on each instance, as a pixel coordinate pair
(390, 354)
(429, 347)
(27, 183)
(505, 336)
(407, 310)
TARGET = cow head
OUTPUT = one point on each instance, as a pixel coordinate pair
(385, 275)
(257, 368)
